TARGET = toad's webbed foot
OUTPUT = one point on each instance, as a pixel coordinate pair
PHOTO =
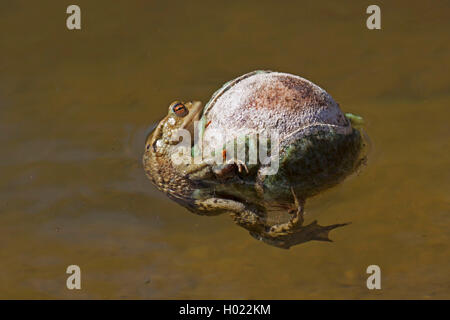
(286, 235)
(295, 221)
(253, 219)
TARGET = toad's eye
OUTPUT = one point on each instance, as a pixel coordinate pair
(180, 110)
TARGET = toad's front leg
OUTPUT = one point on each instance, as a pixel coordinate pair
(230, 168)
(215, 172)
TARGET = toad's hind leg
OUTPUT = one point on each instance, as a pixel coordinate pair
(295, 221)
(293, 232)
(253, 219)
(248, 217)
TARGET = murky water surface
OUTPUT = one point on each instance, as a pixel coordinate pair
(75, 107)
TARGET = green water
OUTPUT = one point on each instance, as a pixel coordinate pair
(75, 108)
